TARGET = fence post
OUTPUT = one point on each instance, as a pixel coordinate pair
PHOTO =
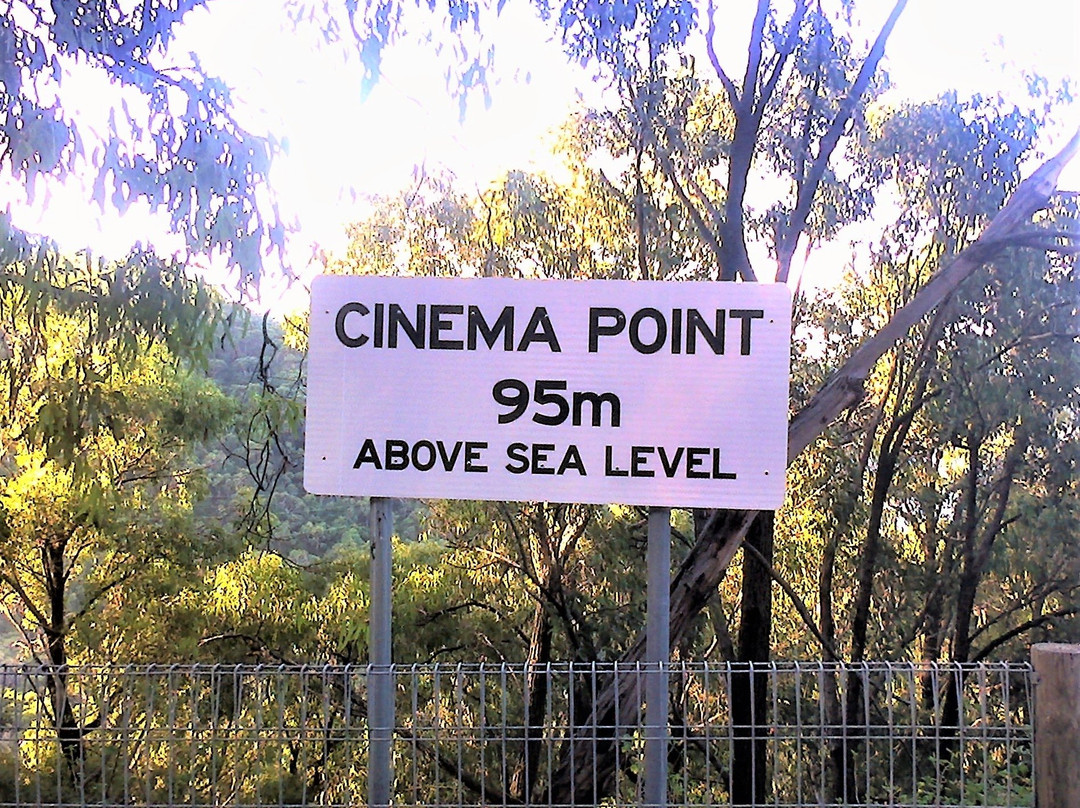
(1057, 724)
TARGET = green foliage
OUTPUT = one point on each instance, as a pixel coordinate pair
(97, 486)
(937, 520)
(255, 471)
(992, 429)
(604, 35)
(175, 146)
(524, 225)
(998, 358)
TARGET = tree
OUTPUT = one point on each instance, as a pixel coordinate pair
(99, 419)
(919, 524)
(785, 62)
(805, 94)
(172, 140)
(872, 447)
(689, 150)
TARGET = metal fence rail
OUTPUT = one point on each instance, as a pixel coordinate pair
(480, 735)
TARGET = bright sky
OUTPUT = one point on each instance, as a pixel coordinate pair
(339, 146)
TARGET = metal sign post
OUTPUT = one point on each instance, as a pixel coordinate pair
(657, 656)
(380, 673)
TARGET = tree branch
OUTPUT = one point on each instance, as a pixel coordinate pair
(1024, 627)
(668, 167)
(785, 249)
(796, 601)
(845, 388)
(791, 36)
(710, 47)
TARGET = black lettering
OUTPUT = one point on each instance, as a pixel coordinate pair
(572, 460)
(367, 454)
(671, 465)
(448, 460)
(695, 456)
(597, 401)
(639, 456)
(716, 473)
(609, 469)
(397, 455)
(339, 325)
(597, 329)
(676, 331)
(516, 453)
(413, 330)
(472, 456)
(380, 318)
(424, 454)
(540, 453)
(427, 447)
(746, 315)
(635, 331)
(539, 329)
(544, 394)
(695, 324)
(478, 325)
(438, 323)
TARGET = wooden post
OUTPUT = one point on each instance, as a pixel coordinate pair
(1057, 724)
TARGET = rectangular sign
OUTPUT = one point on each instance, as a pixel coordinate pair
(647, 393)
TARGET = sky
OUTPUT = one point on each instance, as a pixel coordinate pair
(340, 146)
(410, 119)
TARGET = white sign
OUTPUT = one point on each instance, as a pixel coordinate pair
(647, 393)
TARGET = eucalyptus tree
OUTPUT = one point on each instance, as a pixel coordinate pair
(693, 150)
(884, 453)
(940, 512)
(804, 89)
(100, 414)
(688, 152)
(171, 141)
(1011, 320)
(691, 143)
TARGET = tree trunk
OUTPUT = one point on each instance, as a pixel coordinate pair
(537, 675)
(68, 732)
(829, 690)
(749, 688)
(586, 768)
(938, 565)
(977, 546)
(843, 754)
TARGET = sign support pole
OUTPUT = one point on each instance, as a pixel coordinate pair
(657, 656)
(380, 673)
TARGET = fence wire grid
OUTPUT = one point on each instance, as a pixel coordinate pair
(784, 735)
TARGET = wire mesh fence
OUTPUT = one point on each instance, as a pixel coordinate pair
(792, 734)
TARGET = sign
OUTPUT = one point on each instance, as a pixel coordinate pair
(648, 393)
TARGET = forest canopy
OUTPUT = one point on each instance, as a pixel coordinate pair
(150, 500)
(654, 186)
